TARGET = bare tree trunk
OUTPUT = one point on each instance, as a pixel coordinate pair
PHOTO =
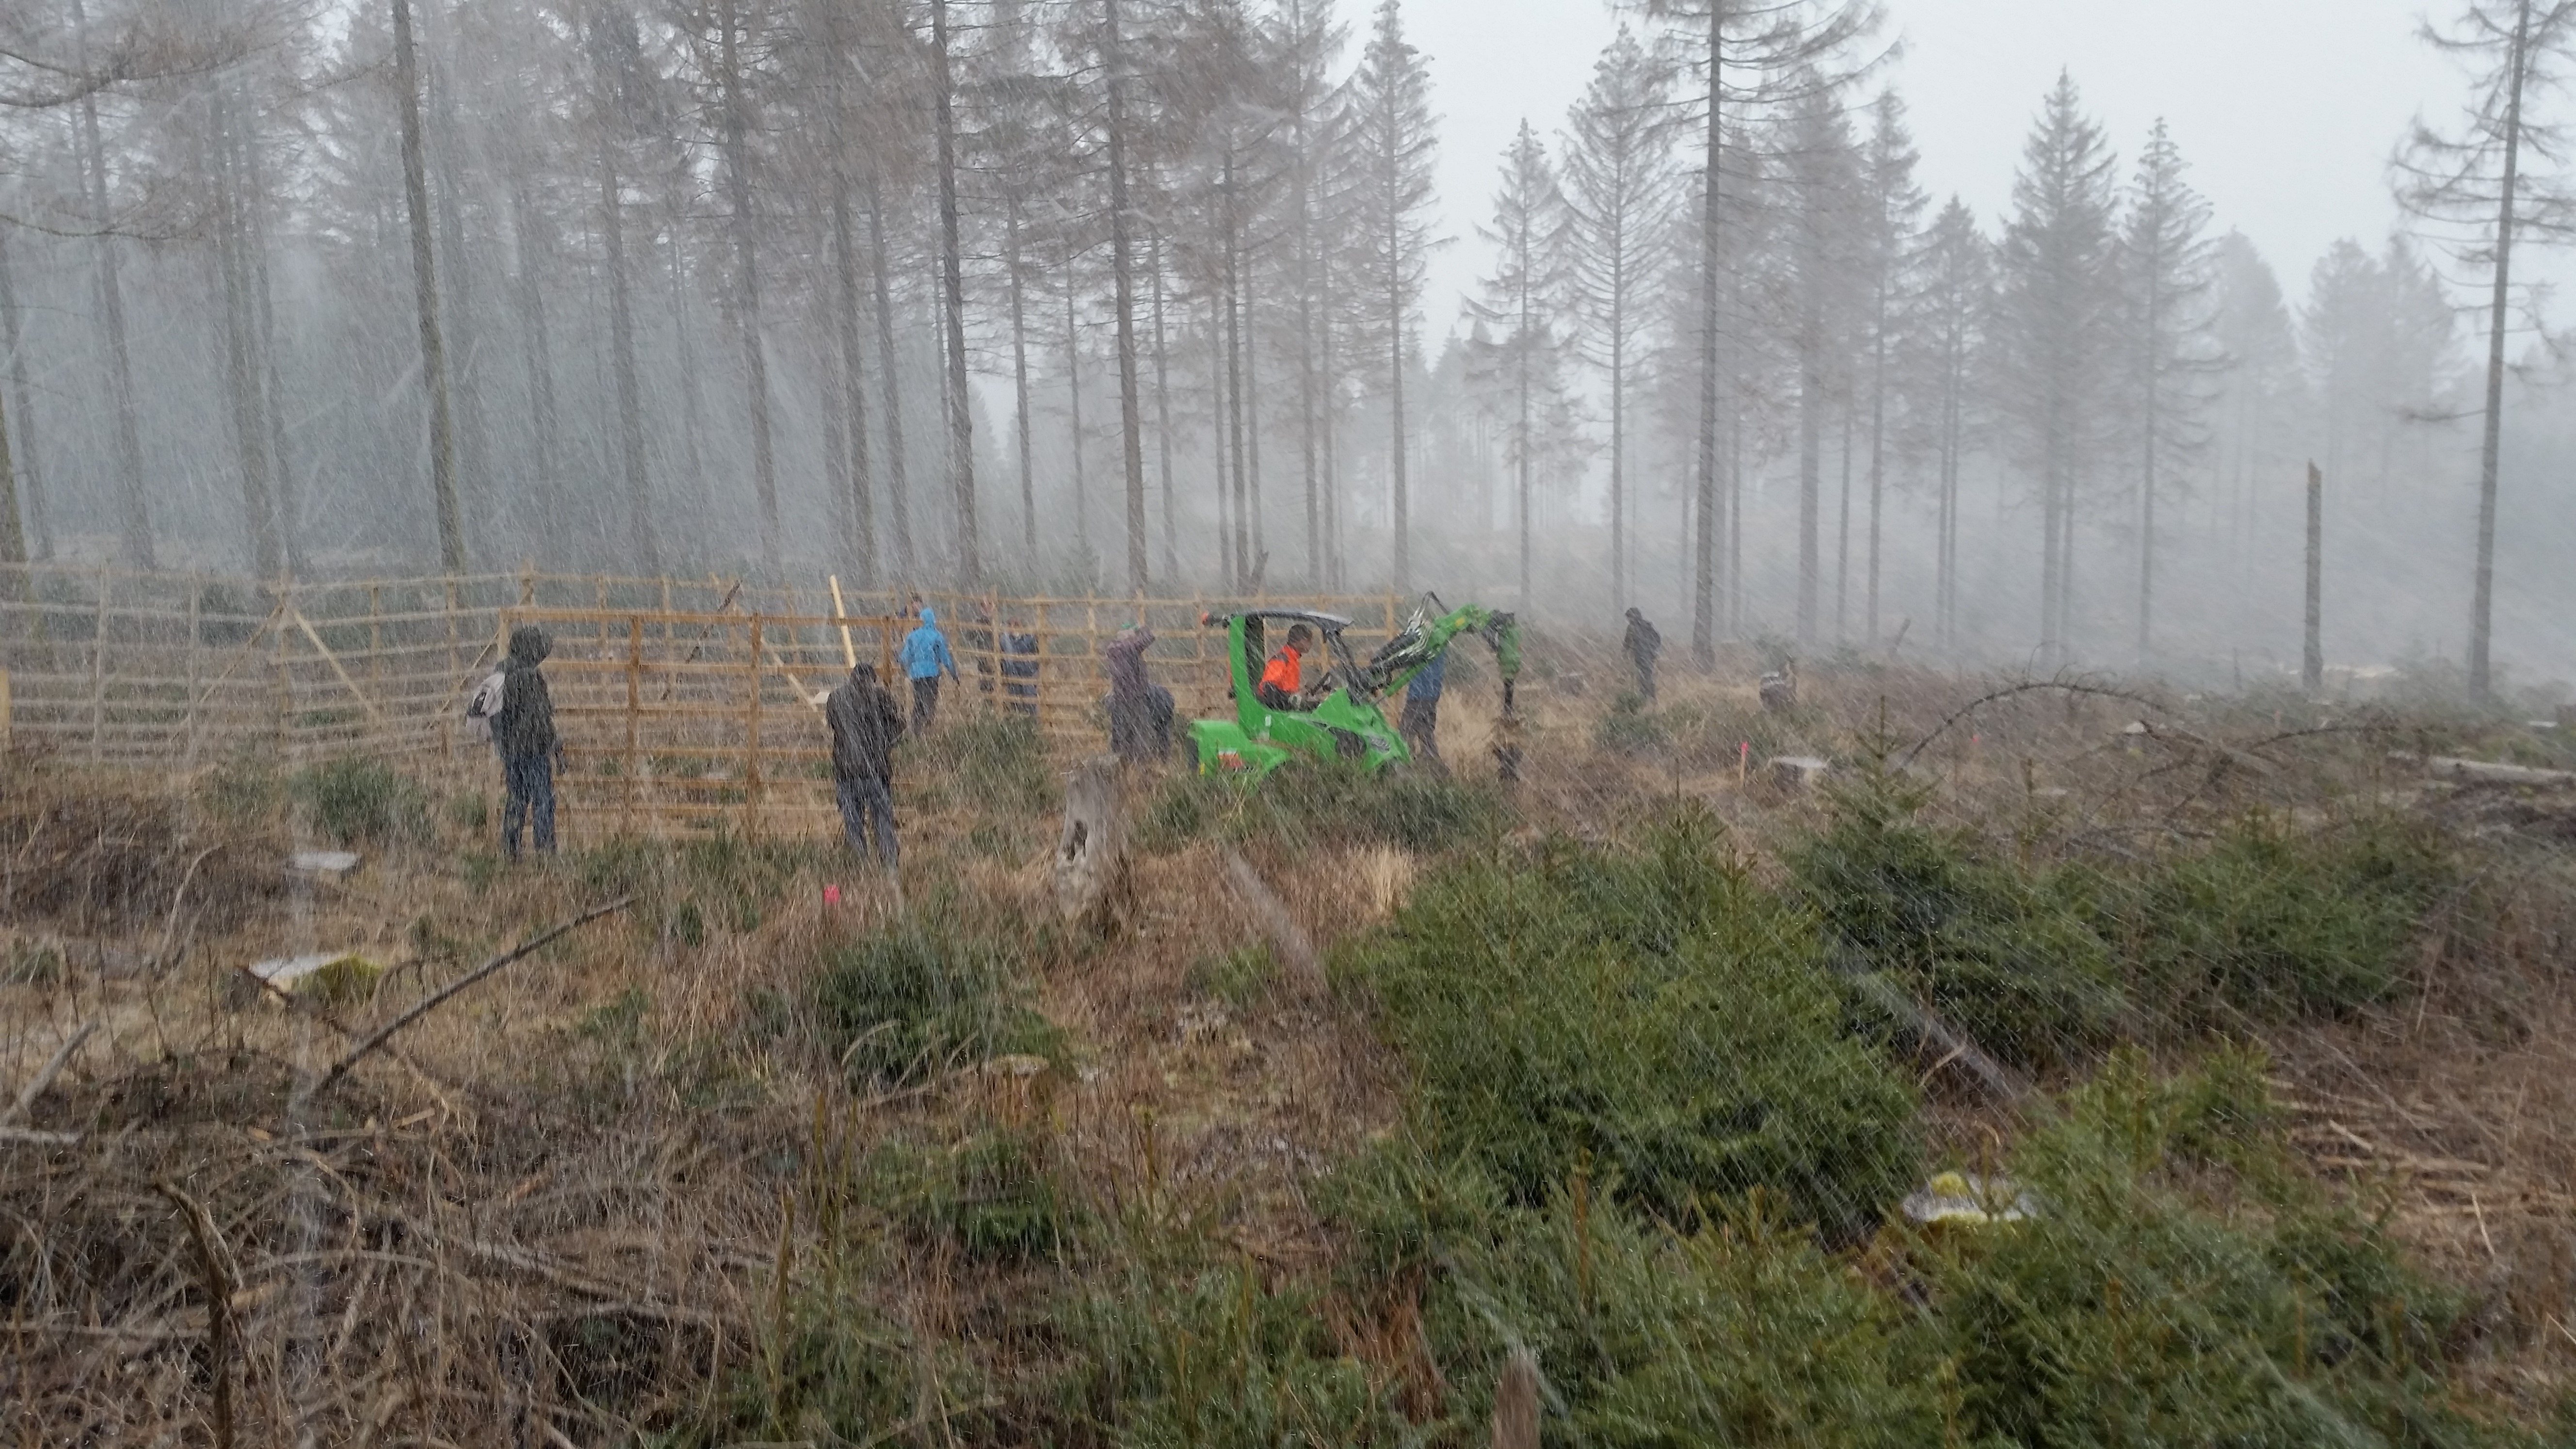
(2147, 479)
(433, 351)
(1704, 591)
(1521, 424)
(764, 463)
(241, 380)
(273, 404)
(1877, 452)
(13, 530)
(1163, 416)
(1020, 380)
(1336, 565)
(134, 512)
(1073, 399)
(1811, 448)
(961, 420)
(1306, 400)
(473, 453)
(1226, 572)
(1234, 381)
(640, 533)
(1131, 428)
(1252, 425)
(1401, 571)
(2491, 435)
(2312, 674)
(1619, 420)
(28, 488)
(692, 400)
(1842, 530)
(898, 488)
(854, 393)
(545, 490)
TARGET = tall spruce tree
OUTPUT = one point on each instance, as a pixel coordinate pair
(1393, 144)
(2170, 356)
(2056, 330)
(1620, 185)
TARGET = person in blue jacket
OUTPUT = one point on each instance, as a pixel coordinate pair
(1421, 723)
(925, 654)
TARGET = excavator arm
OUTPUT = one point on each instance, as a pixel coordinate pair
(1427, 636)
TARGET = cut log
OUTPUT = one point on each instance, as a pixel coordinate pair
(2483, 772)
(1797, 772)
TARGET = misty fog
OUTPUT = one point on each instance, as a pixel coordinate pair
(680, 286)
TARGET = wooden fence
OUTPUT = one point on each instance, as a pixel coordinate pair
(681, 700)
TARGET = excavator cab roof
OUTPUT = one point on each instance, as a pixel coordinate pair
(1329, 623)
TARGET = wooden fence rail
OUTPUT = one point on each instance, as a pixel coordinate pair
(681, 700)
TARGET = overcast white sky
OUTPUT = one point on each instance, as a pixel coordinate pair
(2286, 109)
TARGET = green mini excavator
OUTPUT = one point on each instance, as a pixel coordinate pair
(1342, 713)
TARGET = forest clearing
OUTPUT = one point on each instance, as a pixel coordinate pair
(2271, 1045)
(722, 724)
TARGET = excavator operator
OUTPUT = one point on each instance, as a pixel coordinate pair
(1283, 678)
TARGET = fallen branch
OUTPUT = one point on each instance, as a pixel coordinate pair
(2002, 1083)
(2028, 686)
(442, 995)
(2484, 772)
(179, 898)
(44, 1078)
(1296, 950)
(219, 1298)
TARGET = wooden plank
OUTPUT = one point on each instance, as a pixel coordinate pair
(325, 651)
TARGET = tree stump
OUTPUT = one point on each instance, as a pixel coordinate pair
(1516, 1403)
(1091, 851)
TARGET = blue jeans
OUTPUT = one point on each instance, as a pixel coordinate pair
(868, 804)
(531, 783)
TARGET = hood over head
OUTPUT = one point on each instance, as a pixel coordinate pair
(529, 646)
(864, 673)
(1637, 614)
(929, 617)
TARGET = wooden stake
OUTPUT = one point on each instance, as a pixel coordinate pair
(841, 611)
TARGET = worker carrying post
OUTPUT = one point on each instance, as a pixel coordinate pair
(865, 724)
(1283, 679)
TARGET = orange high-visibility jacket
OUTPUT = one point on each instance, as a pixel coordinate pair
(1284, 671)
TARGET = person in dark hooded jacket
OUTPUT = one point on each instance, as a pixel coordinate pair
(1642, 644)
(523, 730)
(865, 723)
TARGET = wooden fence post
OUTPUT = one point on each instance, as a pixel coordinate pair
(188, 717)
(634, 704)
(98, 675)
(752, 781)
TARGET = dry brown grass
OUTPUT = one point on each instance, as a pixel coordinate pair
(553, 1211)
